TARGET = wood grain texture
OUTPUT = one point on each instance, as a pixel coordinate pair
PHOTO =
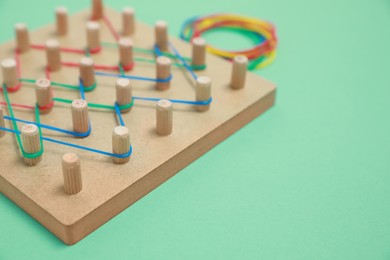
(109, 188)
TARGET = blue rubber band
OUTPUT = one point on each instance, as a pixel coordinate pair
(52, 128)
(133, 77)
(125, 155)
(189, 102)
(157, 51)
(118, 112)
(184, 62)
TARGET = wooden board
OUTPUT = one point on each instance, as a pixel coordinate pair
(110, 188)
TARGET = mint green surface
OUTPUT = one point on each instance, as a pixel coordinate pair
(310, 179)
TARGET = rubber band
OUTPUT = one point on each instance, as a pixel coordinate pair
(118, 113)
(263, 52)
(134, 77)
(188, 102)
(127, 67)
(94, 50)
(124, 155)
(142, 50)
(47, 107)
(49, 127)
(95, 105)
(111, 28)
(82, 89)
(18, 139)
(14, 88)
(17, 105)
(185, 64)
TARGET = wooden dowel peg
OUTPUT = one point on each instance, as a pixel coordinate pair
(126, 53)
(97, 9)
(161, 35)
(121, 143)
(124, 94)
(53, 56)
(61, 20)
(87, 72)
(10, 73)
(44, 95)
(128, 21)
(71, 170)
(93, 36)
(22, 37)
(31, 143)
(163, 72)
(2, 123)
(203, 92)
(80, 116)
(164, 119)
(239, 70)
(198, 52)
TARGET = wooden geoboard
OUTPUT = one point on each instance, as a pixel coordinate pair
(110, 188)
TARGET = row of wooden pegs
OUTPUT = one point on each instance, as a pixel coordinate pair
(93, 42)
(121, 144)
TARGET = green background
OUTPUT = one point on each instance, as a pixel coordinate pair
(310, 179)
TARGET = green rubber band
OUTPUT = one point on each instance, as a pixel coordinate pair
(121, 70)
(89, 88)
(65, 85)
(200, 67)
(52, 83)
(26, 80)
(87, 52)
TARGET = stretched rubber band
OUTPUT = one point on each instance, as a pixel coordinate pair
(185, 64)
(189, 102)
(124, 155)
(133, 77)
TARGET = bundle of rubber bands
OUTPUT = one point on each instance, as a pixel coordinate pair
(264, 34)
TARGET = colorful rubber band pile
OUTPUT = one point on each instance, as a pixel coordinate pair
(264, 34)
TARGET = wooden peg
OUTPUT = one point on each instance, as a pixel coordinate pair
(93, 36)
(22, 37)
(128, 21)
(164, 112)
(53, 56)
(161, 34)
(10, 73)
(124, 94)
(198, 52)
(44, 95)
(80, 116)
(126, 53)
(62, 21)
(239, 70)
(2, 123)
(31, 143)
(87, 72)
(121, 143)
(71, 170)
(97, 9)
(203, 92)
(163, 72)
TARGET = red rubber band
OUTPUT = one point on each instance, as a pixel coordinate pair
(128, 67)
(47, 107)
(14, 88)
(95, 50)
(17, 105)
